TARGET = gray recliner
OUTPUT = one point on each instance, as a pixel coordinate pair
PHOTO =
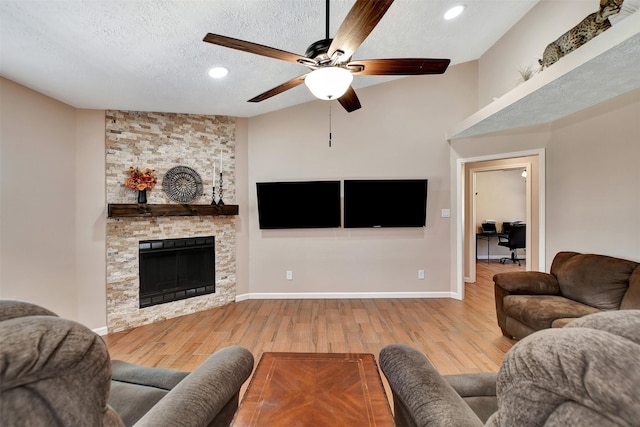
(585, 374)
(56, 372)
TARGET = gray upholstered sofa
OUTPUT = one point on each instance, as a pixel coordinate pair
(56, 372)
(578, 284)
(586, 374)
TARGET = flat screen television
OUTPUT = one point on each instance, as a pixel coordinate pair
(385, 203)
(298, 204)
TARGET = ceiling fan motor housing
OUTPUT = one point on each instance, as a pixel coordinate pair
(318, 50)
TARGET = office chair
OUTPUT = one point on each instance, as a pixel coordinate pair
(516, 239)
(506, 226)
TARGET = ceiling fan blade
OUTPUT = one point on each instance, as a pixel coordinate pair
(359, 22)
(349, 100)
(279, 89)
(254, 48)
(398, 67)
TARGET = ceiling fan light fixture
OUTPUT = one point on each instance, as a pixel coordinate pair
(218, 72)
(329, 82)
(454, 11)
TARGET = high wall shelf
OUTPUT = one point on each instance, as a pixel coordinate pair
(132, 210)
(603, 68)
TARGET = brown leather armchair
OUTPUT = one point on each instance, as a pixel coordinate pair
(578, 284)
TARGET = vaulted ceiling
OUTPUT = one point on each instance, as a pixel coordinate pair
(148, 55)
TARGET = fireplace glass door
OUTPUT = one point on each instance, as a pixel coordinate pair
(175, 269)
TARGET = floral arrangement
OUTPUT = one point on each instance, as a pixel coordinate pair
(141, 179)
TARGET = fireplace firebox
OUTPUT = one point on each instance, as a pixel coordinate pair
(176, 269)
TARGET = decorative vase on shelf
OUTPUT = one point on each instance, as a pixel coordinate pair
(142, 196)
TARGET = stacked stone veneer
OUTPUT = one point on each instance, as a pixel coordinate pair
(161, 141)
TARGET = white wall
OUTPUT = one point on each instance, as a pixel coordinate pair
(398, 133)
(38, 199)
(242, 198)
(501, 196)
(90, 218)
(52, 205)
(593, 180)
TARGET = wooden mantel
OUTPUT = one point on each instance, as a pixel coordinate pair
(124, 210)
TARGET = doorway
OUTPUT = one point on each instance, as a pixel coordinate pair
(533, 163)
(500, 198)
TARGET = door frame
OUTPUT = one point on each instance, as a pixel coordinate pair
(461, 192)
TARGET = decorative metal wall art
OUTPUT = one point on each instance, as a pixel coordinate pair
(182, 184)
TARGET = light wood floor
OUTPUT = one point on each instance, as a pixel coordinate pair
(457, 336)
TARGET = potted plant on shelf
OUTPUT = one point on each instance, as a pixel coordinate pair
(141, 180)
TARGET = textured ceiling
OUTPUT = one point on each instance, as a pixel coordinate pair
(148, 55)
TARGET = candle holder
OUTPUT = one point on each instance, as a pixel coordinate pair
(213, 195)
(220, 202)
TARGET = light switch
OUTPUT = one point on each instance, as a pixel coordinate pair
(446, 213)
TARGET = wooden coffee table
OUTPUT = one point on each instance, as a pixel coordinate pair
(315, 389)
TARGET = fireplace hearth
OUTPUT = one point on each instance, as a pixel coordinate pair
(176, 269)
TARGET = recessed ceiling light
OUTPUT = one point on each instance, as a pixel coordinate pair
(454, 11)
(218, 72)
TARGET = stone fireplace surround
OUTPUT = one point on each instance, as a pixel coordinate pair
(161, 141)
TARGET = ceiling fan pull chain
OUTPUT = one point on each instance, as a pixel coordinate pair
(329, 121)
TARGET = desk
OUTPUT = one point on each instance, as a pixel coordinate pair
(488, 237)
(315, 389)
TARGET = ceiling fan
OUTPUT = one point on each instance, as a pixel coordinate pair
(329, 60)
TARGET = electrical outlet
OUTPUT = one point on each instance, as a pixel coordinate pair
(420, 274)
(289, 275)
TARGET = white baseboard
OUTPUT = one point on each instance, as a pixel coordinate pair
(344, 295)
(101, 331)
